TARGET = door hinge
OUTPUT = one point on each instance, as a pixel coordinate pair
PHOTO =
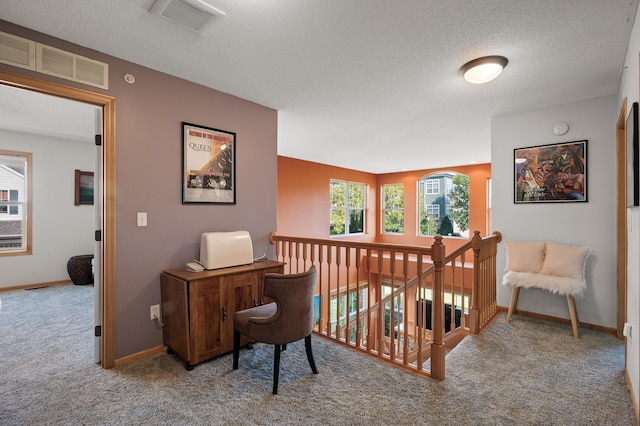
(98, 140)
(98, 331)
(98, 235)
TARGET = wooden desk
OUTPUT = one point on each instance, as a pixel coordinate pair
(198, 307)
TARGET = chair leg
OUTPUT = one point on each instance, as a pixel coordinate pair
(236, 348)
(276, 368)
(574, 315)
(307, 345)
(514, 301)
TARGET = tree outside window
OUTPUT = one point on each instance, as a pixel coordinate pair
(444, 212)
(393, 206)
(348, 201)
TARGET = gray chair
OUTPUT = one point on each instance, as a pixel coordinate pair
(288, 319)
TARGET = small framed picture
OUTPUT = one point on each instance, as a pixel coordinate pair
(83, 188)
(208, 165)
(551, 173)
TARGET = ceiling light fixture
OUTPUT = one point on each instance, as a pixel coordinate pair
(483, 70)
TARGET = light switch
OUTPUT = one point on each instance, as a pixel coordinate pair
(142, 218)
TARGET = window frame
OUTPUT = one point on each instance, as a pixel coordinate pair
(386, 210)
(429, 185)
(24, 206)
(346, 209)
(444, 190)
(437, 214)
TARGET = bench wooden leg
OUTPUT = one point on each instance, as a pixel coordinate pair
(574, 315)
(514, 301)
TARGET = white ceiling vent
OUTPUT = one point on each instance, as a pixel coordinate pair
(38, 57)
(17, 51)
(70, 66)
(194, 15)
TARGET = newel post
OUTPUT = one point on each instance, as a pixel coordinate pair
(474, 310)
(273, 239)
(437, 344)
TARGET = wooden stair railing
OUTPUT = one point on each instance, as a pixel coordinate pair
(370, 296)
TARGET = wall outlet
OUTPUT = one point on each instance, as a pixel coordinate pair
(154, 312)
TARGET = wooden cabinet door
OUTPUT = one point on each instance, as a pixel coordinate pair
(206, 314)
(241, 292)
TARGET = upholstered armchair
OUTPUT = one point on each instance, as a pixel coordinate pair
(288, 319)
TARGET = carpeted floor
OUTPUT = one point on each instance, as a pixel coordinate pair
(528, 372)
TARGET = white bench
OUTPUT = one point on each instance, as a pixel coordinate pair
(552, 267)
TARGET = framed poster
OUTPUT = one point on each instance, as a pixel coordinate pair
(208, 165)
(83, 188)
(551, 173)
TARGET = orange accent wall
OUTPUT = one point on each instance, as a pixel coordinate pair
(303, 200)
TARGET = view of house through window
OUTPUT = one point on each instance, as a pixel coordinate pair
(15, 227)
(348, 202)
(393, 208)
(443, 205)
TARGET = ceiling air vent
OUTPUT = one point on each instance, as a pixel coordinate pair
(70, 66)
(194, 15)
(17, 51)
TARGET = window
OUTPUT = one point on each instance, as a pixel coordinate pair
(15, 203)
(340, 318)
(443, 213)
(432, 186)
(393, 208)
(348, 201)
(13, 196)
(433, 210)
(4, 196)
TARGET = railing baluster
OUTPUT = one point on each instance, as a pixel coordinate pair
(347, 331)
(358, 291)
(380, 318)
(370, 294)
(405, 309)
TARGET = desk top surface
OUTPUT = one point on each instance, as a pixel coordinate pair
(183, 274)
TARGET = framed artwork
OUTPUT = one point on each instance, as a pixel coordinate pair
(83, 188)
(208, 165)
(554, 173)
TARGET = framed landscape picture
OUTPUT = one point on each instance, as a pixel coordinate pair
(83, 187)
(208, 165)
(554, 173)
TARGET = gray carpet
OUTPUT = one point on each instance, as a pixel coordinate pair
(526, 373)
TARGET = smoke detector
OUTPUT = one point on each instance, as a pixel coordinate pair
(195, 15)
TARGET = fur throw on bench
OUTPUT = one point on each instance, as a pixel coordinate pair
(552, 267)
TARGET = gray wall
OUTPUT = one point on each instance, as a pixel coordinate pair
(589, 224)
(148, 179)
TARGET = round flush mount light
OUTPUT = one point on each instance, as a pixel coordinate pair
(483, 70)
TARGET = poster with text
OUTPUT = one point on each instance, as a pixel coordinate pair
(208, 165)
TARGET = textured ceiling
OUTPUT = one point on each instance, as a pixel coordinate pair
(370, 85)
